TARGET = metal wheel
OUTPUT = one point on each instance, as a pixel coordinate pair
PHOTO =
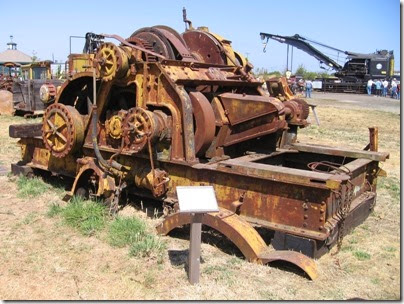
(138, 124)
(62, 129)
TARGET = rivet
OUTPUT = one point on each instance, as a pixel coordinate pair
(304, 224)
(306, 216)
(321, 210)
(320, 228)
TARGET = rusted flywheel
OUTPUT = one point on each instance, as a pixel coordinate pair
(62, 129)
(156, 38)
(204, 47)
(205, 122)
(138, 125)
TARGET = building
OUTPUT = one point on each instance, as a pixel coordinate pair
(12, 55)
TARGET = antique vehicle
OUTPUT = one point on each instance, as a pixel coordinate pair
(32, 88)
(352, 76)
(35, 90)
(159, 110)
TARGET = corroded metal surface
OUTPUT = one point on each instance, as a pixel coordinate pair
(173, 110)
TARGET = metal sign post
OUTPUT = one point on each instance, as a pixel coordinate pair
(194, 256)
(196, 200)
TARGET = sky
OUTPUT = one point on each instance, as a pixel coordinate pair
(43, 27)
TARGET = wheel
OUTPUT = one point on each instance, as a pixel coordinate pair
(62, 129)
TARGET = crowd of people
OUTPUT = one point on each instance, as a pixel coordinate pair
(384, 88)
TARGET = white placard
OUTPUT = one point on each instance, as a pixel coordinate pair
(197, 199)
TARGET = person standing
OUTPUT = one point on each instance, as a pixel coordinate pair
(369, 86)
(393, 88)
(385, 87)
(378, 85)
(309, 87)
(398, 91)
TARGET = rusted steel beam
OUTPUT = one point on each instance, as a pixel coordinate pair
(376, 156)
(287, 175)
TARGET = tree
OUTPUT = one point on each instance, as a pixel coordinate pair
(34, 56)
(301, 70)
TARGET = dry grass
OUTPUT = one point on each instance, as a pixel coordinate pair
(41, 258)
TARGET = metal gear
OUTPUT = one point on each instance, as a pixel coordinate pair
(144, 44)
(305, 108)
(112, 61)
(138, 125)
(62, 129)
(114, 126)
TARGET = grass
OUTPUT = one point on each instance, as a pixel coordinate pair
(54, 209)
(30, 187)
(148, 246)
(30, 218)
(124, 231)
(392, 185)
(90, 217)
(343, 276)
(361, 255)
(86, 216)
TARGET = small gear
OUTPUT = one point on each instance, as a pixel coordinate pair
(114, 126)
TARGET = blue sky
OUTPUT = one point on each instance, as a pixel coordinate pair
(355, 25)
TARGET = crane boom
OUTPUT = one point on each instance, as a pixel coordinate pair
(299, 42)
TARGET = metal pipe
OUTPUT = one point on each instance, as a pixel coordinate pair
(94, 120)
(97, 152)
(291, 61)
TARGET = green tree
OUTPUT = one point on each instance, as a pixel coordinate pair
(301, 70)
(34, 56)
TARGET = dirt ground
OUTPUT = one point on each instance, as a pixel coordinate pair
(356, 101)
(41, 258)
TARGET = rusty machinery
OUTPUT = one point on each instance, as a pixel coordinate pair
(160, 109)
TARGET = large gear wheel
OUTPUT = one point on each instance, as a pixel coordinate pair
(305, 108)
(62, 129)
(144, 44)
(112, 61)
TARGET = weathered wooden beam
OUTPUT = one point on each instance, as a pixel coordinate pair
(25, 130)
